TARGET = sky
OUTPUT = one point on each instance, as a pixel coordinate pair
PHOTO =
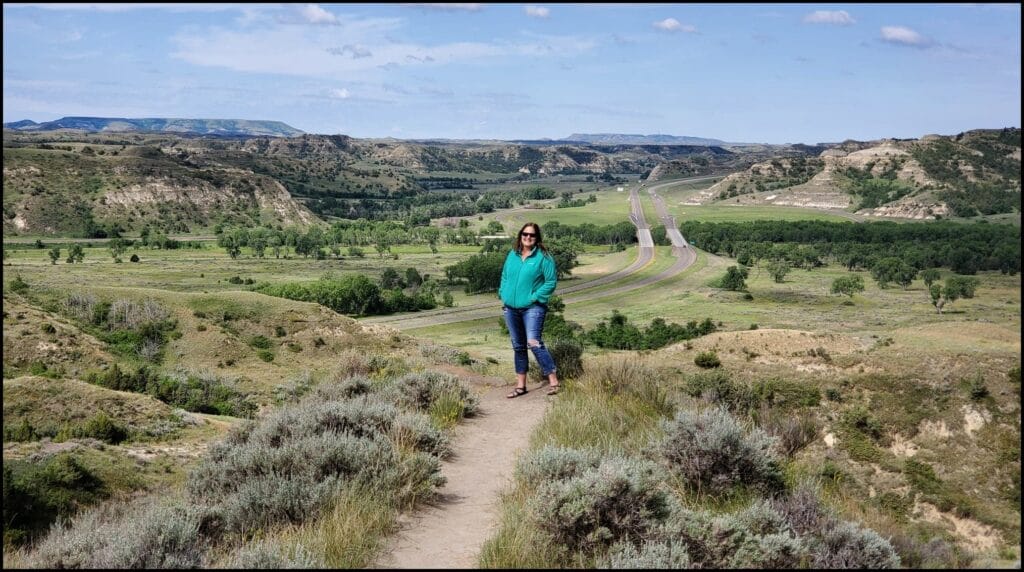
(750, 73)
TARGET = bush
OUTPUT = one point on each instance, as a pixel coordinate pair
(619, 500)
(552, 463)
(271, 555)
(568, 357)
(260, 342)
(18, 286)
(289, 466)
(707, 360)
(101, 426)
(37, 494)
(718, 387)
(712, 452)
(265, 355)
(128, 534)
(847, 545)
(792, 432)
(650, 556)
(420, 390)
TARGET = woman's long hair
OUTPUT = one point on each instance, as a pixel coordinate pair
(539, 243)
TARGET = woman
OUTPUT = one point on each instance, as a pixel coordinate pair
(527, 281)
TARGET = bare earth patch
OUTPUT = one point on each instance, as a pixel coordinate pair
(979, 536)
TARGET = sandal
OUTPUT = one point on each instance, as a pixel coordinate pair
(517, 392)
(553, 390)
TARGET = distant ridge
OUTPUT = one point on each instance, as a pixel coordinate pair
(225, 127)
(626, 139)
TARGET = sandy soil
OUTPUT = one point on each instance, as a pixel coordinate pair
(450, 532)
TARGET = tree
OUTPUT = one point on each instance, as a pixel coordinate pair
(76, 253)
(778, 269)
(54, 254)
(389, 279)
(565, 252)
(735, 279)
(956, 287)
(930, 275)
(412, 277)
(893, 269)
(848, 285)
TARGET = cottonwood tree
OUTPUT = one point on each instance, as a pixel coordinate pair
(735, 278)
(956, 287)
(777, 269)
(117, 248)
(893, 269)
(848, 285)
(76, 253)
(930, 276)
(54, 254)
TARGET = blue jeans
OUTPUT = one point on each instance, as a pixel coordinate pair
(526, 324)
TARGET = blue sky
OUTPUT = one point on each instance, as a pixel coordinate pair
(786, 73)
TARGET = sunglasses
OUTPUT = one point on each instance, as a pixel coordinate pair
(530, 234)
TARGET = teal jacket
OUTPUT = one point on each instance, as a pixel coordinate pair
(529, 281)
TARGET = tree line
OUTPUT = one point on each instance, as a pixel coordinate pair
(963, 248)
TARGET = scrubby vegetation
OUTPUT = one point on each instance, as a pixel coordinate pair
(383, 436)
(629, 502)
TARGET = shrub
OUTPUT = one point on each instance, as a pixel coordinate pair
(18, 285)
(803, 510)
(271, 555)
(37, 494)
(650, 556)
(265, 355)
(568, 356)
(419, 390)
(847, 545)
(132, 315)
(553, 463)
(127, 534)
(718, 387)
(260, 342)
(134, 258)
(976, 388)
(287, 468)
(712, 452)
(101, 426)
(707, 360)
(756, 537)
(791, 431)
(775, 391)
(619, 500)
(863, 422)
(80, 306)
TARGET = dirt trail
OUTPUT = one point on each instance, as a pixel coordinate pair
(450, 532)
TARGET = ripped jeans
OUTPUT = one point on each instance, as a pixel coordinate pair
(525, 326)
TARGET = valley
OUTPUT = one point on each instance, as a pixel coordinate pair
(145, 369)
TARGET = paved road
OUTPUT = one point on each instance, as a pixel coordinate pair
(575, 293)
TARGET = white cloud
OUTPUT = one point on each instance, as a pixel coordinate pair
(838, 17)
(537, 11)
(469, 7)
(673, 25)
(314, 52)
(314, 14)
(339, 93)
(903, 36)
